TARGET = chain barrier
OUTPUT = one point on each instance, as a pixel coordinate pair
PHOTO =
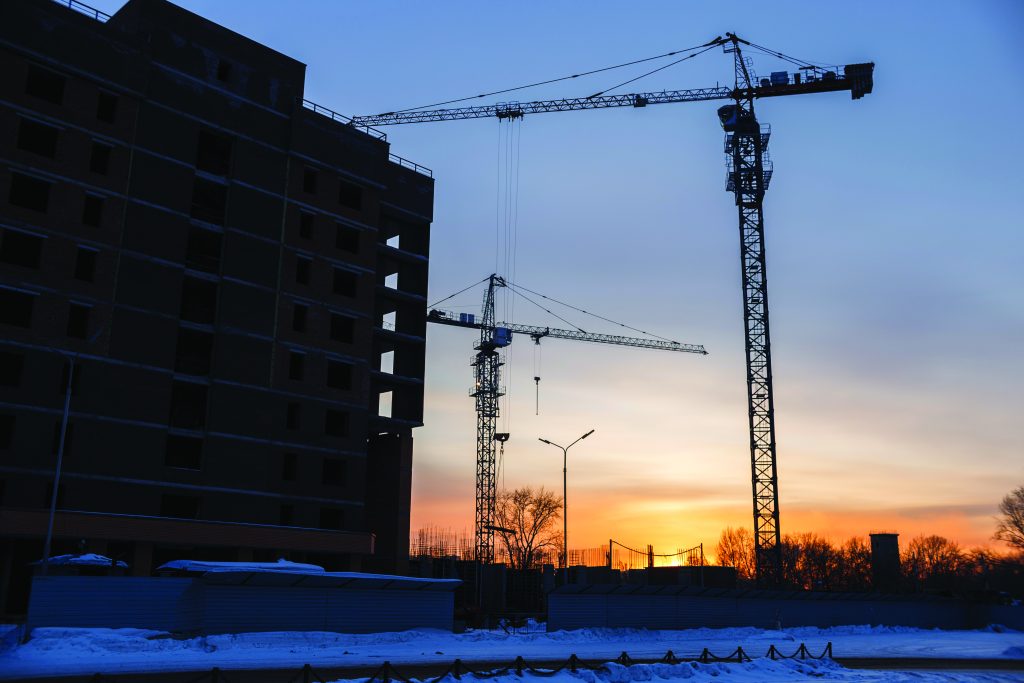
(387, 673)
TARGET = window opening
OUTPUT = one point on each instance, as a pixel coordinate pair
(106, 107)
(16, 307)
(198, 300)
(29, 193)
(38, 138)
(185, 452)
(85, 264)
(188, 405)
(92, 210)
(21, 249)
(78, 321)
(44, 84)
(213, 153)
(99, 161)
(346, 238)
(209, 200)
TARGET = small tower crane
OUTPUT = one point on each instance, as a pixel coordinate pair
(487, 390)
(749, 172)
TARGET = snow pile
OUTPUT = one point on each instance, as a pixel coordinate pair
(77, 651)
(282, 565)
(86, 560)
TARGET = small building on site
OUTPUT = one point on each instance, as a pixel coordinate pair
(244, 597)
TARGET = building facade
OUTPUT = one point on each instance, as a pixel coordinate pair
(237, 278)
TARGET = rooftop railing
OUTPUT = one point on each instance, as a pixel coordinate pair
(411, 165)
(84, 9)
(341, 118)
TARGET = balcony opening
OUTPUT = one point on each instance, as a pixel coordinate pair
(179, 507)
(99, 160)
(389, 321)
(303, 265)
(296, 365)
(198, 300)
(346, 238)
(391, 281)
(209, 200)
(106, 107)
(213, 153)
(350, 195)
(21, 249)
(16, 307)
(92, 210)
(334, 472)
(193, 353)
(345, 282)
(309, 176)
(293, 416)
(339, 374)
(289, 467)
(188, 405)
(38, 138)
(203, 250)
(183, 452)
(394, 241)
(305, 225)
(85, 264)
(45, 84)
(11, 367)
(342, 328)
(29, 193)
(387, 362)
(332, 519)
(78, 320)
(299, 314)
(336, 423)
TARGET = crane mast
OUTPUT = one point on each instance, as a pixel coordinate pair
(749, 174)
(750, 171)
(487, 389)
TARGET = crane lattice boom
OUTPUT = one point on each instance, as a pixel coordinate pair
(536, 332)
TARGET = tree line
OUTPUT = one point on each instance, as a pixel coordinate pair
(928, 563)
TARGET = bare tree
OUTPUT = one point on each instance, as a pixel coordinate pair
(736, 549)
(1010, 528)
(856, 564)
(528, 517)
(810, 562)
(933, 562)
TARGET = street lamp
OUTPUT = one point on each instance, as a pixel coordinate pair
(565, 499)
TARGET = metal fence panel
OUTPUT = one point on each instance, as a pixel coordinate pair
(167, 604)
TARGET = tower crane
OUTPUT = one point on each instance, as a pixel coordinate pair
(748, 176)
(487, 390)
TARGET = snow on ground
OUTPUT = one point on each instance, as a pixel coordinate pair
(67, 651)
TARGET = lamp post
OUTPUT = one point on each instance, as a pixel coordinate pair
(60, 453)
(565, 498)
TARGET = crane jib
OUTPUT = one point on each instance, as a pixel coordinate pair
(857, 78)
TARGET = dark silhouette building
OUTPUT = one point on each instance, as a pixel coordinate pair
(239, 276)
(885, 562)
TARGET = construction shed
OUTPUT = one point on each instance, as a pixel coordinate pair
(244, 601)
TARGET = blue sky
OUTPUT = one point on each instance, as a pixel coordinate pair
(893, 240)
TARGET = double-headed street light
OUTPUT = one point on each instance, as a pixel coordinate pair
(565, 503)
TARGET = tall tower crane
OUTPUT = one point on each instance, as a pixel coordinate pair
(487, 390)
(748, 176)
